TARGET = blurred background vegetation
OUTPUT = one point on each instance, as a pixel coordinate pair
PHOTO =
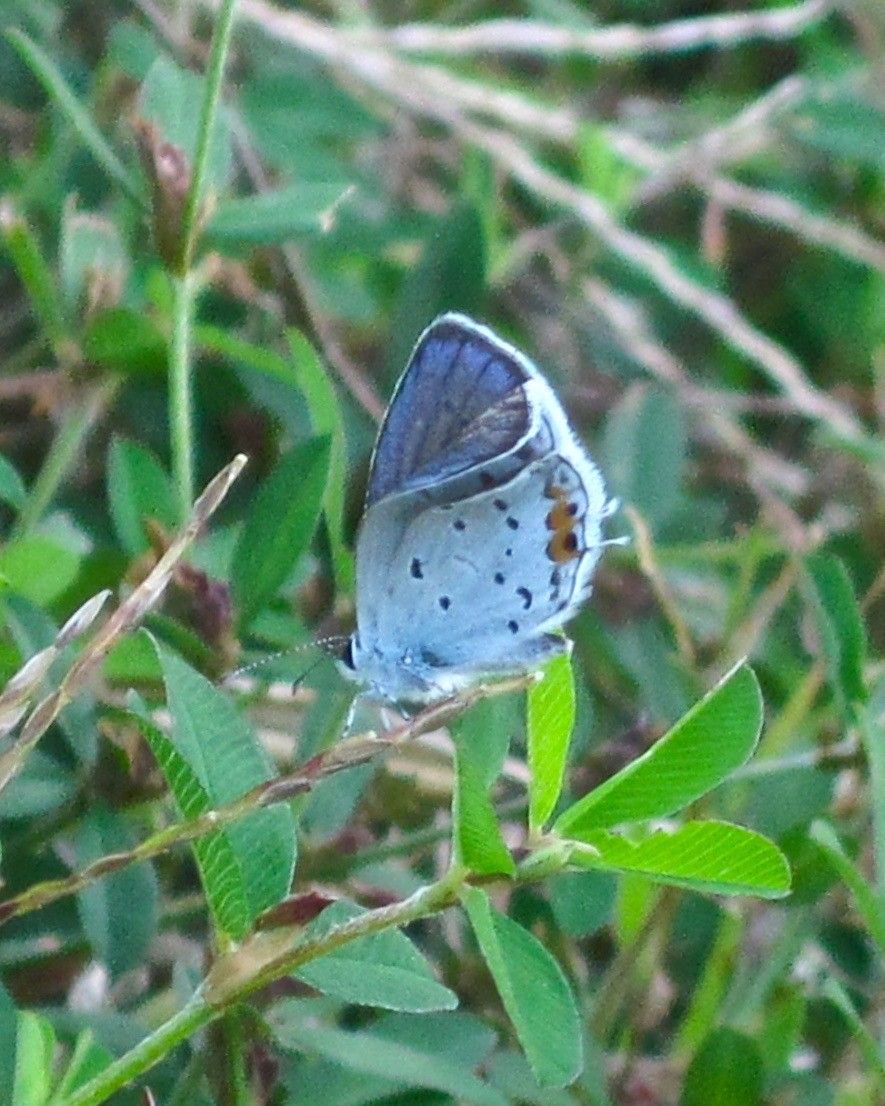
(677, 209)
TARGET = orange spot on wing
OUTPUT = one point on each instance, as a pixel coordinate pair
(562, 520)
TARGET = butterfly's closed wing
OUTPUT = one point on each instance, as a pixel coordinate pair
(460, 403)
(482, 522)
(477, 585)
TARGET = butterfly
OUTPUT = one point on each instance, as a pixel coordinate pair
(482, 522)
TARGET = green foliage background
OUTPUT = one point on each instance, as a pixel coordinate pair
(680, 218)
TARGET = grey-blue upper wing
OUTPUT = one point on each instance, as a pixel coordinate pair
(459, 403)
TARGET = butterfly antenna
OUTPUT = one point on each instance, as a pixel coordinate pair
(329, 647)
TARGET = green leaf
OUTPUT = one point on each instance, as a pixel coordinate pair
(645, 449)
(534, 992)
(87, 1060)
(481, 744)
(267, 218)
(222, 753)
(34, 1054)
(715, 857)
(375, 1055)
(841, 628)
(384, 969)
(218, 861)
(582, 902)
(125, 341)
(726, 1071)
(872, 728)
(869, 1047)
(138, 489)
(36, 276)
(872, 912)
(550, 720)
(12, 487)
(172, 98)
(119, 935)
(90, 250)
(326, 420)
(841, 125)
(450, 276)
(716, 736)
(48, 74)
(8, 1025)
(279, 526)
(38, 568)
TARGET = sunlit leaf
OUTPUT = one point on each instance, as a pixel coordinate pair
(715, 857)
(534, 992)
(384, 970)
(550, 720)
(716, 736)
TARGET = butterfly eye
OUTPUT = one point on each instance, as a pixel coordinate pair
(346, 655)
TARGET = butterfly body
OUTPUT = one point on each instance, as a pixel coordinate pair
(482, 524)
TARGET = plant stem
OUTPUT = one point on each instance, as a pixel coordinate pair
(214, 74)
(184, 281)
(63, 454)
(269, 955)
(180, 398)
(191, 1017)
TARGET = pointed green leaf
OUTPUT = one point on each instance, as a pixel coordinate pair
(841, 628)
(34, 1056)
(8, 1024)
(872, 728)
(716, 736)
(172, 98)
(267, 218)
(220, 867)
(138, 489)
(279, 526)
(222, 752)
(550, 720)
(87, 1060)
(49, 75)
(872, 912)
(383, 970)
(645, 448)
(450, 276)
(119, 935)
(481, 744)
(715, 857)
(726, 1071)
(325, 417)
(534, 992)
(374, 1054)
(12, 487)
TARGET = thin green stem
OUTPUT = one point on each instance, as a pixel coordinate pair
(214, 73)
(63, 454)
(195, 1014)
(269, 955)
(180, 391)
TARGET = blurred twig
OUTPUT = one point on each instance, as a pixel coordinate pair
(345, 754)
(747, 132)
(126, 616)
(382, 72)
(525, 36)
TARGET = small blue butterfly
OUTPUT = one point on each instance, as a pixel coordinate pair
(482, 523)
